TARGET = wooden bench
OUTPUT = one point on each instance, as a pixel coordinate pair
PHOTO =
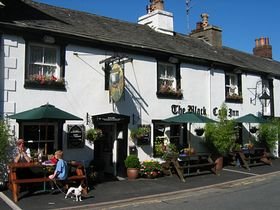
(75, 176)
(186, 167)
(254, 157)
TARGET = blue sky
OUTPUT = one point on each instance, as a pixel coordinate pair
(242, 21)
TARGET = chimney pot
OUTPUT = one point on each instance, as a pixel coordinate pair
(204, 17)
(263, 48)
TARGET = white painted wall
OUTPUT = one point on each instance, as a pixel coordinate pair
(202, 87)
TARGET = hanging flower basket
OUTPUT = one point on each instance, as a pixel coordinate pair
(94, 134)
(253, 129)
(199, 131)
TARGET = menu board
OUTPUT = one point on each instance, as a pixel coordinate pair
(76, 136)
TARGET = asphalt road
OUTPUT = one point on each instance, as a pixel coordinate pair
(256, 193)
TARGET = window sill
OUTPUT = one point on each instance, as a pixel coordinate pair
(238, 100)
(170, 95)
(45, 86)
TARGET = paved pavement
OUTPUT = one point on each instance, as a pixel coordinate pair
(122, 191)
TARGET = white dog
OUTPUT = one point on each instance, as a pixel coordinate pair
(76, 191)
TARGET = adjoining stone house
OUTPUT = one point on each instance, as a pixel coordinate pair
(117, 75)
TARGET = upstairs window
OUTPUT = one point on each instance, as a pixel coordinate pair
(233, 88)
(43, 69)
(168, 81)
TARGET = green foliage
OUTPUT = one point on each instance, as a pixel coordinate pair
(158, 147)
(140, 132)
(132, 161)
(171, 151)
(4, 140)
(220, 136)
(268, 134)
(94, 134)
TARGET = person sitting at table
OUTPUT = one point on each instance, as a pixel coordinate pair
(61, 169)
(21, 154)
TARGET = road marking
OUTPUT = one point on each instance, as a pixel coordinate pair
(9, 202)
(241, 172)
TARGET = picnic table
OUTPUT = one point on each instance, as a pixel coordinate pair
(249, 157)
(190, 164)
(15, 180)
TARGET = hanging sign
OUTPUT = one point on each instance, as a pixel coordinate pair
(116, 82)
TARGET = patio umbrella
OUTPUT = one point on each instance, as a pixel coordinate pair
(250, 118)
(189, 118)
(44, 112)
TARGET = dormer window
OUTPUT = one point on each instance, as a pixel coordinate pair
(233, 90)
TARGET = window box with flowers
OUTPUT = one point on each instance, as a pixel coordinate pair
(150, 169)
(38, 81)
(234, 98)
(94, 134)
(167, 91)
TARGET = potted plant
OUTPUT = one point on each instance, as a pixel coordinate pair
(94, 134)
(132, 164)
(150, 169)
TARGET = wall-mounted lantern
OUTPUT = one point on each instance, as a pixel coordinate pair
(265, 99)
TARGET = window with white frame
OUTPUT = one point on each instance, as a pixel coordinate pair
(233, 88)
(43, 63)
(231, 84)
(167, 79)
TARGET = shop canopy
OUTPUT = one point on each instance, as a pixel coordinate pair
(44, 112)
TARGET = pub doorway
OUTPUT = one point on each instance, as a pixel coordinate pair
(111, 150)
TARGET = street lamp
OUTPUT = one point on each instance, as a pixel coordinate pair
(264, 98)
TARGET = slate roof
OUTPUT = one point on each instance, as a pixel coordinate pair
(32, 15)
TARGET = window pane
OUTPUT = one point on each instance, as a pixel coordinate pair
(34, 69)
(49, 70)
(50, 56)
(36, 54)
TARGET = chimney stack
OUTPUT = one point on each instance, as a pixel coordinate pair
(206, 32)
(158, 19)
(263, 48)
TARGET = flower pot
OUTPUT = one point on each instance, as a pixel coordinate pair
(132, 173)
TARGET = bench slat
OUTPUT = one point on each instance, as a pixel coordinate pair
(46, 179)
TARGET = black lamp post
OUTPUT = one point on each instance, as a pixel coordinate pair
(264, 98)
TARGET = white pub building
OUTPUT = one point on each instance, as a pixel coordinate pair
(117, 76)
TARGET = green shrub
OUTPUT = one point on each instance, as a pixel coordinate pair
(4, 140)
(268, 134)
(132, 161)
(220, 137)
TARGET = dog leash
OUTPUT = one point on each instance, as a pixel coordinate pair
(54, 181)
